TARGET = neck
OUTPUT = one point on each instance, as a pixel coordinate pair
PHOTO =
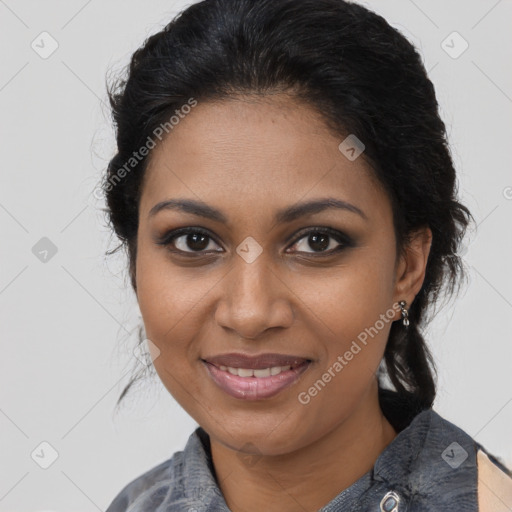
(310, 477)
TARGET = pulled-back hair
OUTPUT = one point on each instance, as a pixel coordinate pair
(360, 74)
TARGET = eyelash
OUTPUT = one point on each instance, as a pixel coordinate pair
(168, 238)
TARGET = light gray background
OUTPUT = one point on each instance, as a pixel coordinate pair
(65, 324)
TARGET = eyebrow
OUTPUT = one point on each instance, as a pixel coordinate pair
(288, 214)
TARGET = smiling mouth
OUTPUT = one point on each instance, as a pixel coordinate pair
(256, 383)
(261, 372)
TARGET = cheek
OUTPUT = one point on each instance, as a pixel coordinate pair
(174, 305)
(167, 303)
(167, 296)
(354, 313)
(358, 317)
(352, 297)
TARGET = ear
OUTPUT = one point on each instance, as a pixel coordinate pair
(410, 272)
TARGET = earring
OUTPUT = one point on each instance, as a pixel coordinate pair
(405, 313)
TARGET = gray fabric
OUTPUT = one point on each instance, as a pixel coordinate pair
(347, 499)
(421, 465)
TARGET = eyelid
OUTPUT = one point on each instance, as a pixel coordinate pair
(344, 240)
(340, 237)
(169, 236)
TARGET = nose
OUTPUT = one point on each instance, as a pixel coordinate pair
(254, 298)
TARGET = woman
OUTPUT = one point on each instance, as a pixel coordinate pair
(285, 192)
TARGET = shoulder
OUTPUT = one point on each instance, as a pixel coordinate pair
(434, 465)
(466, 472)
(186, 481)
(149, 486)
(441, 464)
(494, 484)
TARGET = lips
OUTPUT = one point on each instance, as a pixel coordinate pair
(254, 387)
(261, 361)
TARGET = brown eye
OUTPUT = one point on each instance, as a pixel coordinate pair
(193, 241)
(322, 241)
(196, 241)
(188, 240)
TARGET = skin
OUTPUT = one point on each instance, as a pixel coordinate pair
(250, 158)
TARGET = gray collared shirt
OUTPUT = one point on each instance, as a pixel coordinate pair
(429, 466)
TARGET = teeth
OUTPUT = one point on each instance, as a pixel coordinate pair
(263, 372)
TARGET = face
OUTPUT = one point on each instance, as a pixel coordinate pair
(261, 276)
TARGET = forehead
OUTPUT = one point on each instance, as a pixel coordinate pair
(259, 151)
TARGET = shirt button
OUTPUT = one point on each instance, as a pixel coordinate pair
(389, 502)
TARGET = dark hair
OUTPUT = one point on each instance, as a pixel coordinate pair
(360, 74)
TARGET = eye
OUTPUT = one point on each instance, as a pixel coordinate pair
(188, 240)
(197, 241)
(321, 239)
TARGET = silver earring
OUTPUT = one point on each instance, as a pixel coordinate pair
(405, 313)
